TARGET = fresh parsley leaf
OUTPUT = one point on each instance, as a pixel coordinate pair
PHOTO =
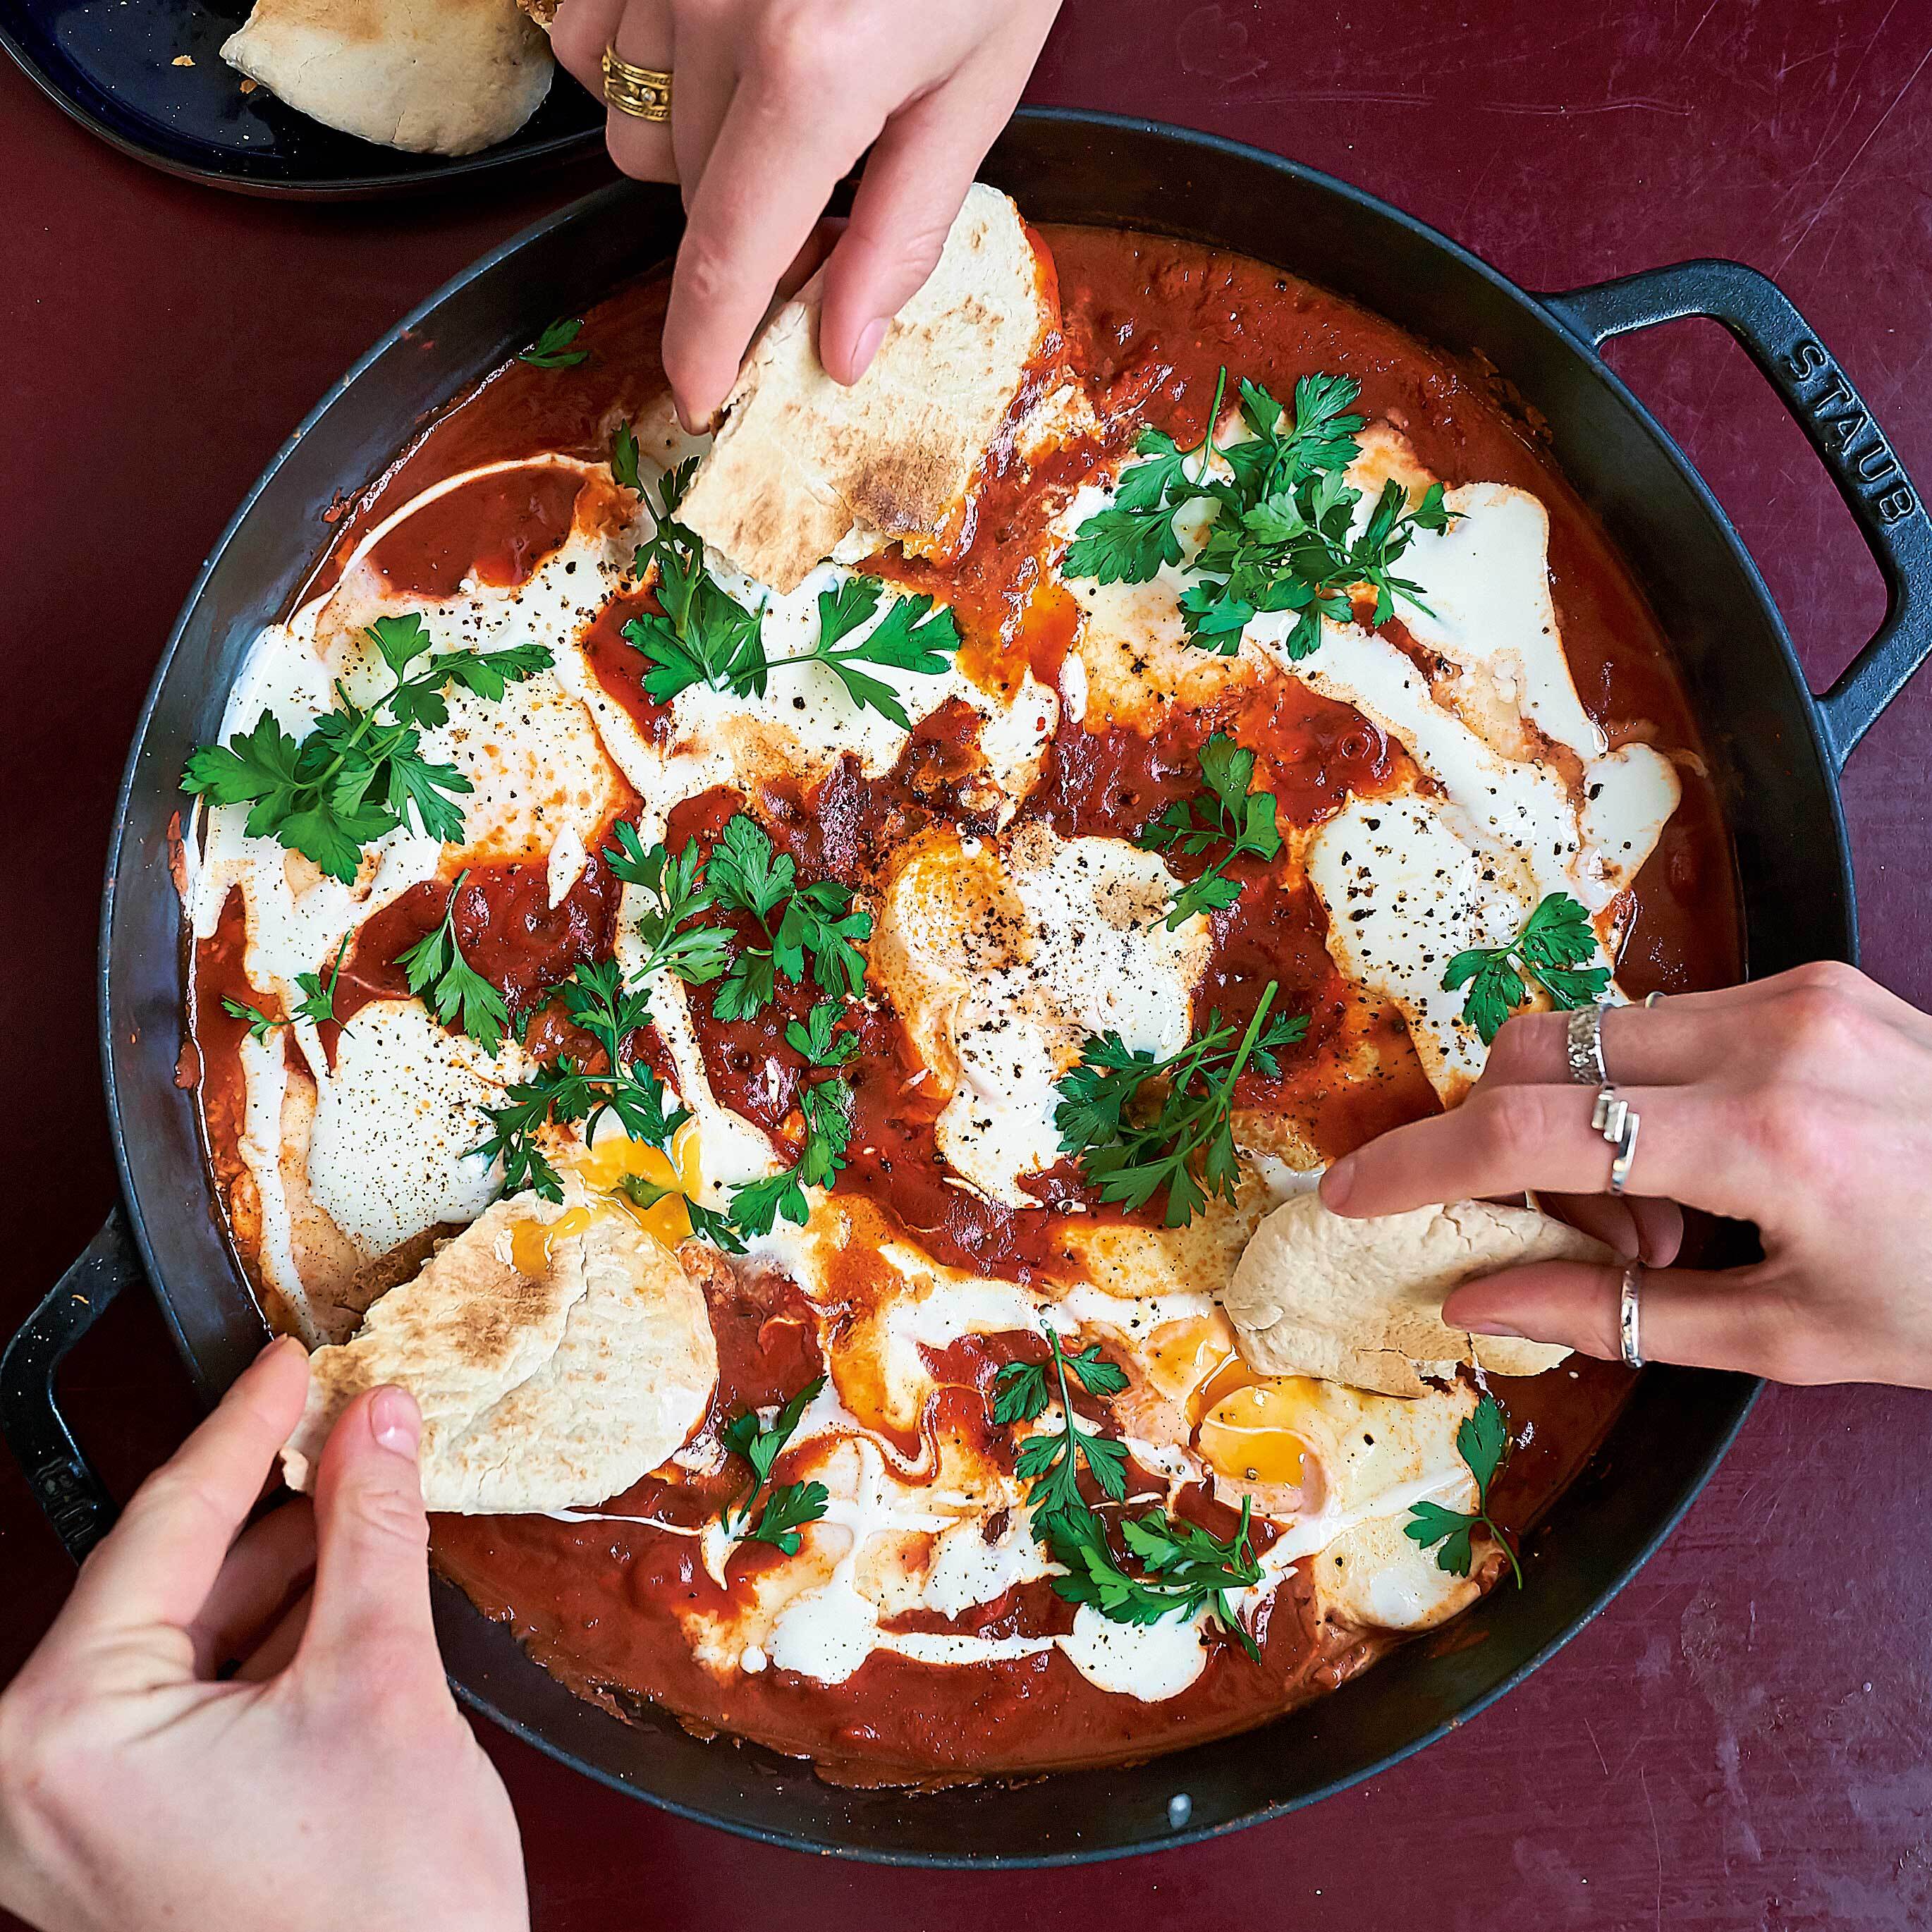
(1230, 814)
(624, 457)
(678, 894)
(318, 1005)
(461, 997)
(1049, 1462)
(359, 773)
(552, 349)
(825, 1106)
(708, 1224)
(1130, 540)
(758, 1206)
(1185, 1568)
(1483, 1441)
(788, 1508)
(1141, 1127)
(699, 634)
(1020, 1391)
(911, 637)
(746, 873)
(706, 637)
(1551, 949)
(259, 1024)
(565, 1093)
(703, 636)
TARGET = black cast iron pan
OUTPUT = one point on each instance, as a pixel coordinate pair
(1778, 749)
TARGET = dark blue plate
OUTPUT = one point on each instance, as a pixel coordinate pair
(110, 63)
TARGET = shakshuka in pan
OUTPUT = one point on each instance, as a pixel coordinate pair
(795, 984)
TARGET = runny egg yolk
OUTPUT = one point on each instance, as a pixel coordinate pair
(656, 1198)
(1254, 1433)
(1183, 1357)
(1249, 1427)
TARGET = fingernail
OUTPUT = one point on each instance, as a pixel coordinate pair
(1337, 1181)
(394, 1422)
(867, 346)
(1495, 1328)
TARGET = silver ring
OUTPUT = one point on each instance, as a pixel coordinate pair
(1615, 1119)
(1653, 999)
(1583, 1047)
(1629, 1316)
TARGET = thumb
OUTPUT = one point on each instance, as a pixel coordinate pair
(1701, 1318)
(371, 1581)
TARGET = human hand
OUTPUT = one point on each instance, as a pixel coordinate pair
(772, 102)
(331, 1781)
(1803, 1103)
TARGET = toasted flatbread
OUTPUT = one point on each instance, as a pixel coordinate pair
(1360, 1301)
(801, 461)
(434, 76)
(537, 1393)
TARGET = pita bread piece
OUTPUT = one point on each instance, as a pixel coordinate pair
(550, 1392)
(1360, 1301)
(801, 461)
(434, 76)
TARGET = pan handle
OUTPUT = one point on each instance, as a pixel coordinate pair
(66, 1484)
(1821, 400)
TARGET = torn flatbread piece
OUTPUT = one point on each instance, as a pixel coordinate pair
(433, 76)
(801, 462)
(1360, 1301)
(555, 1389)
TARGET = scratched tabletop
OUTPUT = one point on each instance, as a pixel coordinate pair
(1739, 1741)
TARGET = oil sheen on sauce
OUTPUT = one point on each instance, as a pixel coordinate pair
(1148, 323)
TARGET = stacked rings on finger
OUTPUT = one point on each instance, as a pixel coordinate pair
(1615, 1119)
(1629, 1336)
(643, 92)
(1583, 1047)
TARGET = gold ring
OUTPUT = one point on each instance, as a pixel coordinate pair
(644, 92)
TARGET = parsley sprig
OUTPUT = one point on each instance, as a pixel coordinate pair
(1185, 1568)
(462, 1000)
(359, 773)
(912, 636)
(624, 457)
(825, 1105)
(675, 891)
(704, 635)
(1182, 1567)
(1483, 1441)
(1230, 815)
(700, 635)
(552, 348)
(319, 1004)
(1050, 1461)
(565, 1094)
(1550, 949)
(788, 1507)
(1141, 1126)
(746, 873)
(1279, 537)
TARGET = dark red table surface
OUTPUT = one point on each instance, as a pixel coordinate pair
(1740, 1740)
